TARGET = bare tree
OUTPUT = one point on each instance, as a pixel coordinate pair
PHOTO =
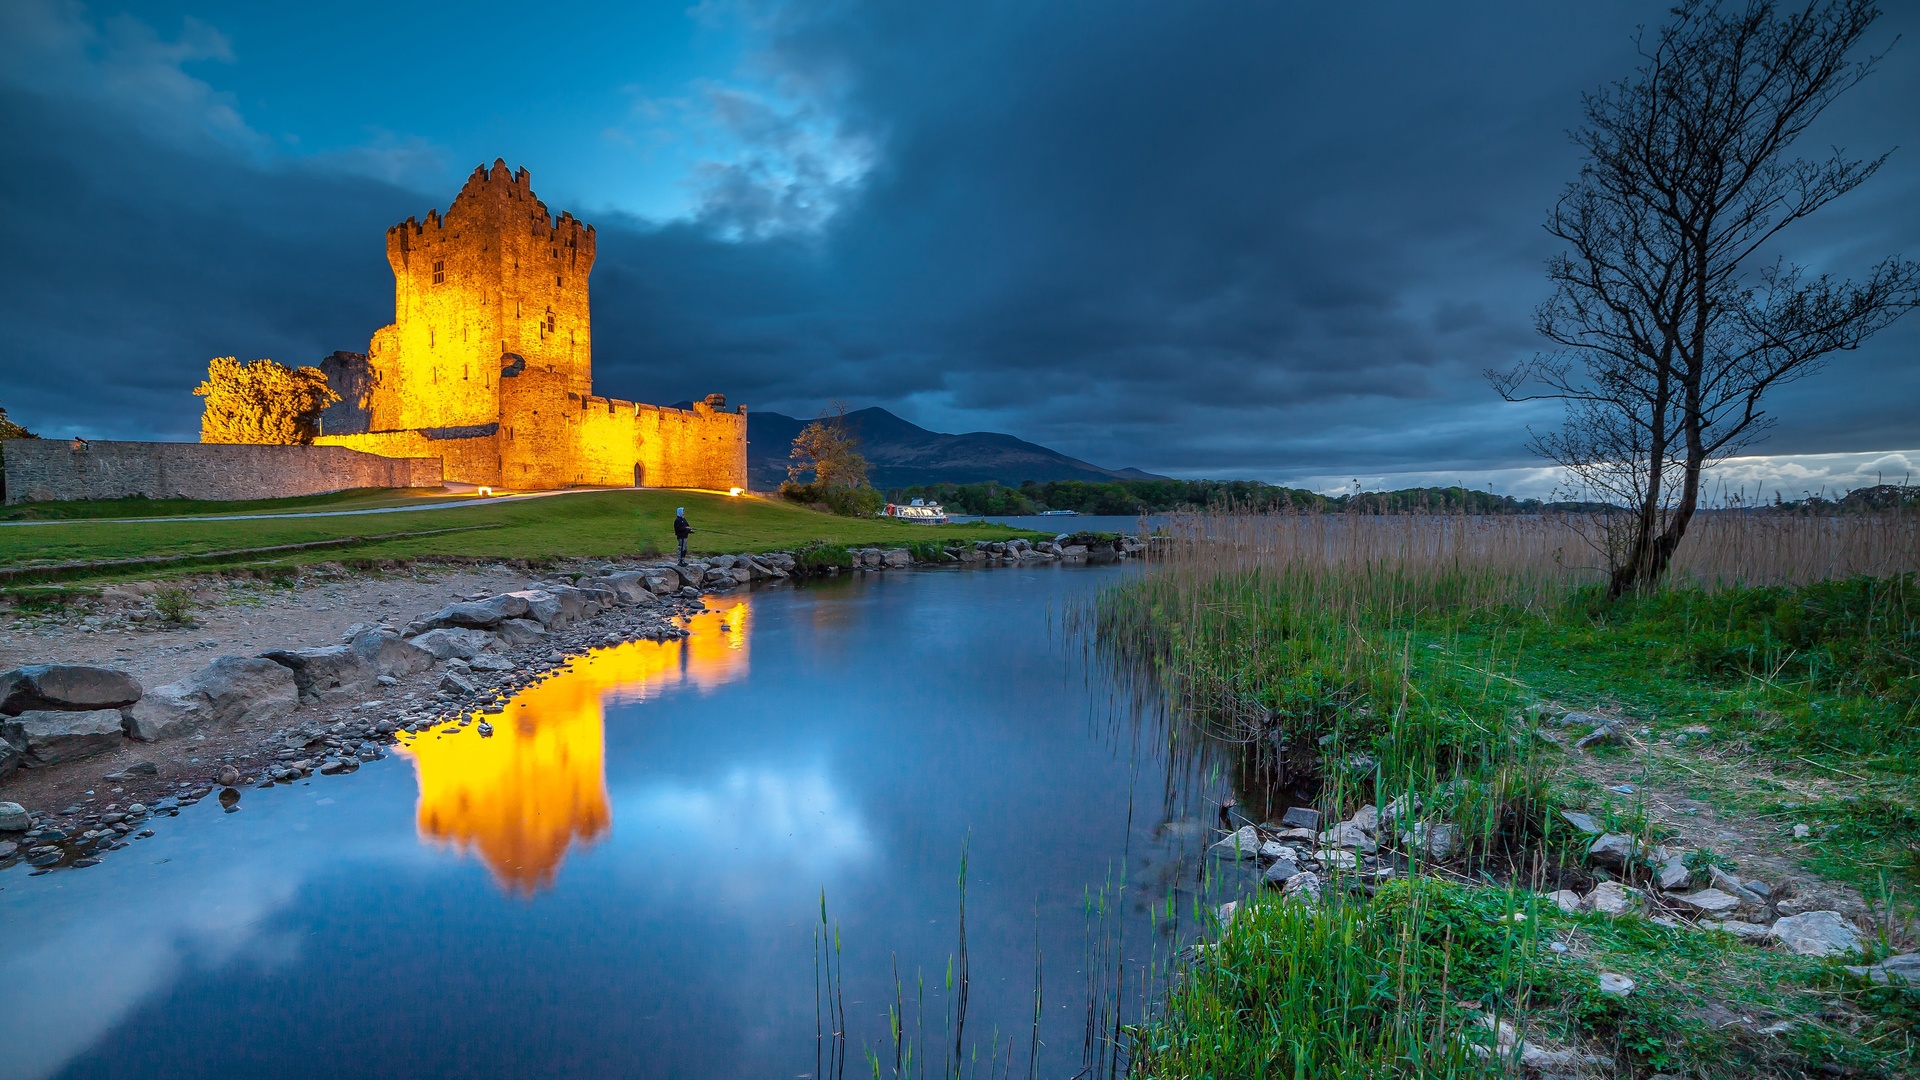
(1668, 323)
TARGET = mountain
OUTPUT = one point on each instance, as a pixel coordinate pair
(903, 454)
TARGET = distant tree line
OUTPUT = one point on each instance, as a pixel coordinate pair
(1124, 497)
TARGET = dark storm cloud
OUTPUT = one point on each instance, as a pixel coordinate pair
(1223, 238)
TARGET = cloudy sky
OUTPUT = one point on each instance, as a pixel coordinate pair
(1247, 238)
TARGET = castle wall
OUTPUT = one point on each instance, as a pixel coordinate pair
(474, 459)
(45, 469)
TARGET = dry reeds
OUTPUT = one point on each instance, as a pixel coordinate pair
(1516, 554)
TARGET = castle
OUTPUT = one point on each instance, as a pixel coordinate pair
(488, 362)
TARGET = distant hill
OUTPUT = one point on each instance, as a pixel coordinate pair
(903, 454)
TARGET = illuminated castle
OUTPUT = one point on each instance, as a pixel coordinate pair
(488, 364)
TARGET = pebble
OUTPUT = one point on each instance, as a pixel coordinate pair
(1615, 985)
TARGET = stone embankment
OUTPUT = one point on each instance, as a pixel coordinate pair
(327, 709)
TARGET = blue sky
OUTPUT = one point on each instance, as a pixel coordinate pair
(1276, 240)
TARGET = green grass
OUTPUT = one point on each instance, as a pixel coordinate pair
(87, 509)
(607, 523)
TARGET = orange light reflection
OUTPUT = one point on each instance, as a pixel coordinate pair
(523, 797)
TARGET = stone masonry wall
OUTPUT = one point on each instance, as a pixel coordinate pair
(44, 469)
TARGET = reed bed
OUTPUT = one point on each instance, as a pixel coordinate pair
(1515, 554)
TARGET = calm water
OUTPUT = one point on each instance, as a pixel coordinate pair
(626, 879)
(1076, 523)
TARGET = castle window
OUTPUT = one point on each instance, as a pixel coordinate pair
(439, 271)
(549, 322)
(556, 281)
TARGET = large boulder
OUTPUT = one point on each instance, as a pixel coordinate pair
(1817, 933)
(335, 669)
(630, 586)
(11, 757)
(14, 817)
(49, 737)
(476, 614)
(454, 644)
(522, 632)
(542, 607)
(231, 691)
(65, 687)
(390, 654)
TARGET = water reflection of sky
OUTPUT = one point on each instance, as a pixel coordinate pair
(642, 903)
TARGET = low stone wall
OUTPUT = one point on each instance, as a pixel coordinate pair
(44, 469)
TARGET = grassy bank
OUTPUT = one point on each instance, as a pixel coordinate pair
(593, 524)
(1387, 658)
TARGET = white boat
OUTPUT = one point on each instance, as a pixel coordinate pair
(1059, 513)
(919, 510)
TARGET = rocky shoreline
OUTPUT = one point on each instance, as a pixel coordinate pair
(281, 715)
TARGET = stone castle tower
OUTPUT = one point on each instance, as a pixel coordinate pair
(488, 363)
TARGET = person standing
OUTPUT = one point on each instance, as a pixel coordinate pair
(681, 530)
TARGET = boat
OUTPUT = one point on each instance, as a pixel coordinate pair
(1059, 513)
(919, 510)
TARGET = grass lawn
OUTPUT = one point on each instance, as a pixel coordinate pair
(96, 509)
(590, 524)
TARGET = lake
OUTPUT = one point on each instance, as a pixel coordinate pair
(627, 878)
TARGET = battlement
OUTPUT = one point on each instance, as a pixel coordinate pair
(495, 196)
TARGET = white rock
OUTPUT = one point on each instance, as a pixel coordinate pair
(1746, 931)
(1241, 843)
(1674, 874)
(1304, 887)
(1348, 835)
(1706, 901)
(1801, 832)
(1335, 859)
(1615, 985)
(1567, 901)
(1274, 849)
(1582, 822)
(1816, 933)
(1611, 899)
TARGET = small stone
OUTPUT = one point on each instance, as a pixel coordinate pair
(332, 766)
(1621, 789)
(1600, 736)
(1905, 968)
(1583, 822)
(229, 776)
(1707, 901)
(1801, 832)
(1225, 912)
(1612, 850)
(1674, 874)
(1615, 985)
(80, 864)
(1274, 849)
(1304, 887)
(1611, 899)
(1348, 835)
(1779, 1027)
(1334, 859)
(1242, 843)
(1745, 931)
(1816, 933)
(14, 817)
(7, 848)
(1301, 817)
(1367, 819)
(1567, 901)
(1281, 872)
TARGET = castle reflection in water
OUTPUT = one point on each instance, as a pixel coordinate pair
(522, 798)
